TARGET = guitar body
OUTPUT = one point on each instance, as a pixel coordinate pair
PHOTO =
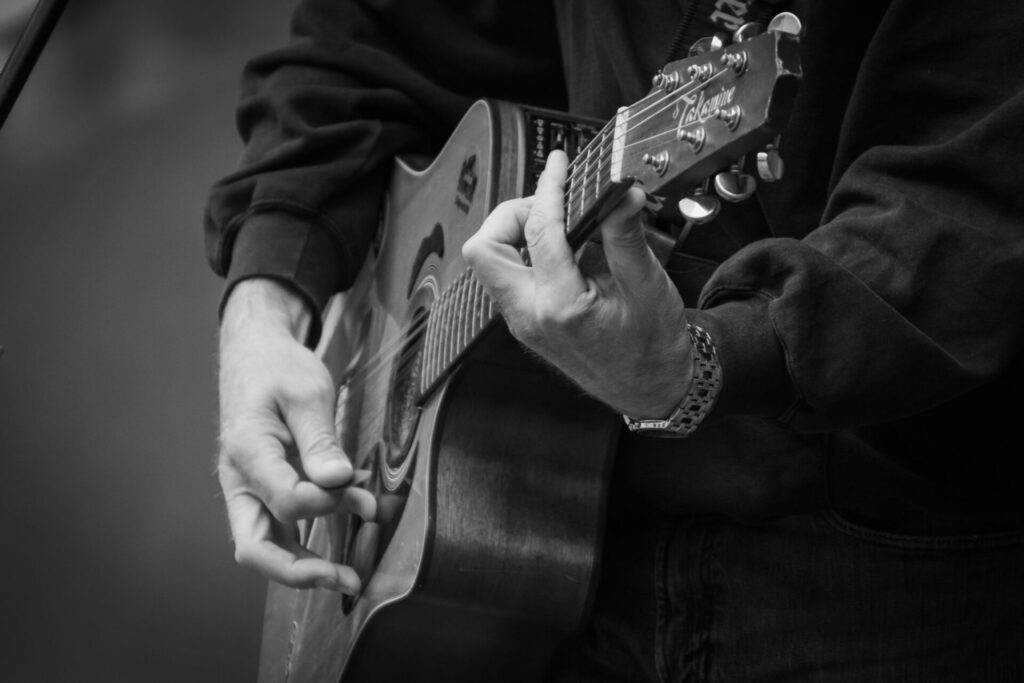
(491, 489)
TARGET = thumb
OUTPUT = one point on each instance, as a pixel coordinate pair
(312, 427)
(630, 260)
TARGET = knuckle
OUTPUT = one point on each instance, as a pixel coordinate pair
(555, 317)
(284, 508)
(524, 328)
(629, 237)
(472, 250)
(245, 555)
(232, 440)
(534, 233)
(525, 334)
(308, 388)
(322, 442)
(235, 450)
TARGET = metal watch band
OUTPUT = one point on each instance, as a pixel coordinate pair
(699, 398)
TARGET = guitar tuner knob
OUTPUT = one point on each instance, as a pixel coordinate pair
(707, 44)
(700, 72)
(700, 207)
(695, 137)
(666, 82)
(747, 31)
(786, 22)
(735, 185)
(770, 166)
(659, 161)
(730, 115)
(737, 61)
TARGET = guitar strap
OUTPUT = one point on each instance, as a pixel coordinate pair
(706, 17)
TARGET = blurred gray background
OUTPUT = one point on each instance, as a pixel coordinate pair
(116, 564)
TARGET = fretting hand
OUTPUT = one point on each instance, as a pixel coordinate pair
(620, 335)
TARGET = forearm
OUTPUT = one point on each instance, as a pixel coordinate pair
(323, 118)
(906, 291)
(264, 302)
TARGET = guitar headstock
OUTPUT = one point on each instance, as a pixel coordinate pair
(704, 114)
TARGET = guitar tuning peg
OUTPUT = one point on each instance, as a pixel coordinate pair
(786, 22)
(664, 81)
(769, 163)
(735, 185)
(747, 31)
(700, 207)
(707, 44)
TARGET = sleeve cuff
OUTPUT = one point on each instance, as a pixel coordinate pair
(755, 379)
(292, 250)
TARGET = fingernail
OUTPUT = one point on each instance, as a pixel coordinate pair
(335, 469)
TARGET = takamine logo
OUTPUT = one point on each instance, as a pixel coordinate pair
(698, 109)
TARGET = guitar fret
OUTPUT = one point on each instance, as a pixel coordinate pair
(446, 323)
(453, 322)
(460, 334)
(435, 350)
(586, 175)
(428, 348)
(467, 313)
(485, 307)
(453, 335)
(469, 320)
(598, 188)
(474, 296)
(481, 306)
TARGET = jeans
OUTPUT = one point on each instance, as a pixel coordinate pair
(811, 597)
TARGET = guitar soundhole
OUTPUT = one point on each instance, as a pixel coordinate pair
(403, 406)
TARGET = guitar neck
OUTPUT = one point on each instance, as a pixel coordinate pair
(464, 311)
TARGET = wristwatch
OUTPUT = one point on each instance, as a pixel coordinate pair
(699, 398)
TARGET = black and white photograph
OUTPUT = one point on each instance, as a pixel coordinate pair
(468, 341)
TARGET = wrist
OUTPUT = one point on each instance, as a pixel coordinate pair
(704, 385)
(264, 301)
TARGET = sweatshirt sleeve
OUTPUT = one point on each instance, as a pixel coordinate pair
(360, 82)
(910, 290)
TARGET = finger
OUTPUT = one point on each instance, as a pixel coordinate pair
(359, 502)
(504, 225)
(267, 547)
(259, 466)
(553, 261)
(630, 261)
(493, 253)
(309, 414)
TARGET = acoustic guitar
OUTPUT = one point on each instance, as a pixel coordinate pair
(490, 470)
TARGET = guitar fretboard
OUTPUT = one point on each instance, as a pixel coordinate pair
(460, 315)
(589, 180)
(456, 320)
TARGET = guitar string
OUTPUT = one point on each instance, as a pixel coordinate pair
(607, 151)
(387, 352)
(666, 96)
(578, 190)
(674, 96)
(389, 349)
